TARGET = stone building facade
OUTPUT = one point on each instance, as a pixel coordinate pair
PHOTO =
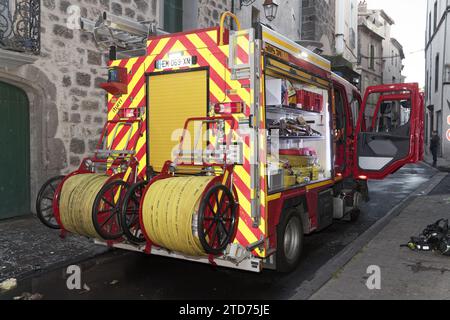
(393, 63)
(330, 28)
(67, 110)
(437, 65)
(390, 58)
(318, 24)
(347, 35)
(370, 52)
(287, 21)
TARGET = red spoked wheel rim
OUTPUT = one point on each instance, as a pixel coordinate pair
(217, 219)
(44, 203)
(130, 220)
(107, 208)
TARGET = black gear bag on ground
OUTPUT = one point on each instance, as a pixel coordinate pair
(436, 237)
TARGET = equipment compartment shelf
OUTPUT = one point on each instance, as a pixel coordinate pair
(298, 138)
(291, 110)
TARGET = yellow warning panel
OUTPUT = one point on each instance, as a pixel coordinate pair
(173, 98)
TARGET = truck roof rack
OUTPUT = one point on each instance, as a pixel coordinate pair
(128, 35)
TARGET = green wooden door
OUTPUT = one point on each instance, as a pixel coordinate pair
(14, 157)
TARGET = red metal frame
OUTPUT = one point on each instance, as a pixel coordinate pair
(421, 147)
(349, 138)
(126, 161)
(209, 120)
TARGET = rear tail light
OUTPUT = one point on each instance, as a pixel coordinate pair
(229, 108)
(362, 177)
(130, 113)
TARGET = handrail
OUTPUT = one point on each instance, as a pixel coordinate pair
(222, 23)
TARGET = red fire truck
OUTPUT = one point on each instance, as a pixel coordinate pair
(275, 146)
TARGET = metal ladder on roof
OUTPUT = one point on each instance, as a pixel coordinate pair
(128, 35)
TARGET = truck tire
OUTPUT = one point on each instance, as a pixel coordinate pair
(290, 238)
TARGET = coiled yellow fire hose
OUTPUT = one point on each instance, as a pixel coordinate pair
(169, 208)
(77, 199)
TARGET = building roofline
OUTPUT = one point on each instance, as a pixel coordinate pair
(365, 26)
(383, 14)
(387, 17)
(399, 47)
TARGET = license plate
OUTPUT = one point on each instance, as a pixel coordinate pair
(177, 62)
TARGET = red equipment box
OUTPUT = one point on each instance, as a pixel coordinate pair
(309, 101)
(317, 103)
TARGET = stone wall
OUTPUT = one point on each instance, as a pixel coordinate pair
(76, 66)
(318, 23)
(209, 12)
(67, 108)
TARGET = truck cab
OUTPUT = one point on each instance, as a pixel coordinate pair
(377, 136)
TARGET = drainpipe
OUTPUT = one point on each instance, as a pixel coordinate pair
(340, 27)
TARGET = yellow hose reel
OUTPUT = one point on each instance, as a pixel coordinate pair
(89, 206)
(188, 215)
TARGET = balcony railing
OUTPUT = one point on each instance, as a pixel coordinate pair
(20, 25)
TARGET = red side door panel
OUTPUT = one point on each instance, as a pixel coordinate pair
(389, 130)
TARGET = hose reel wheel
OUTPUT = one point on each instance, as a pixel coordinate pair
(217, 219)
(129, 217)
(44, 202)
(106, 210)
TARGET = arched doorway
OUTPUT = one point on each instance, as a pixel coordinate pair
(15, 152)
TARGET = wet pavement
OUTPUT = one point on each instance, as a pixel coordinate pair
(27, 247)
(405, 274)
(125, 275)
(442, 188)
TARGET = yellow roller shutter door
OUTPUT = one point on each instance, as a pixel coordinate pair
(173, 98)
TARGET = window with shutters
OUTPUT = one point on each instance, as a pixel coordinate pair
(436, 74)
(447, 73)
(372, 57)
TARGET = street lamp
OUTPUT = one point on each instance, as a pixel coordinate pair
(270, 9)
